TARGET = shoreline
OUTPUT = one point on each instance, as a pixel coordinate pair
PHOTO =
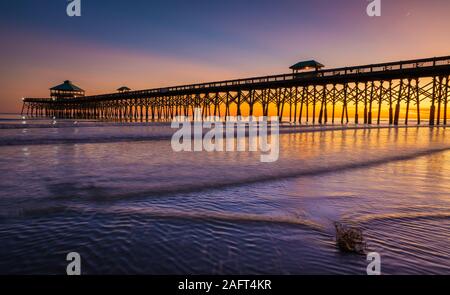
(167, 134)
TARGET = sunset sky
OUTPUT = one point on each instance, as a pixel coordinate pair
(148, 43)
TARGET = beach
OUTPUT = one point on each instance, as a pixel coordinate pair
(121, 197)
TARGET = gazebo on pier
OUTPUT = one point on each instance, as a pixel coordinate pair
(66, 90)
(306, 66)
(123, 89)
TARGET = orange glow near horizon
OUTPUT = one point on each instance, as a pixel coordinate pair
(35, 59)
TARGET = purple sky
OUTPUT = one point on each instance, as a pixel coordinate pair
(146, 44)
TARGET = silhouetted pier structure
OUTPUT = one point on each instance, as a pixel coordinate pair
(317, 96)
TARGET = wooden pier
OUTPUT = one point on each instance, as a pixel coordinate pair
(317, 97)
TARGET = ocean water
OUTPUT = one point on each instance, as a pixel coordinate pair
(119, 196)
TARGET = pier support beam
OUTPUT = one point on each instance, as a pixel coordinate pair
(433, 99)
(439, 100)
(380, 102)
(397, 106)
(408, 100)
(356, 103)
(391, 115)
(344, 106)
(418, 100)
(446, 93)
(314, 105)
(365, 103)
(369, 114)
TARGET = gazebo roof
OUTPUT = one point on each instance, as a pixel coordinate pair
(67, 86)
(123, 88)
(308, 64)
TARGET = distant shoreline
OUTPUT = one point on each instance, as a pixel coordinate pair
(284, 125)
(164, 134)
